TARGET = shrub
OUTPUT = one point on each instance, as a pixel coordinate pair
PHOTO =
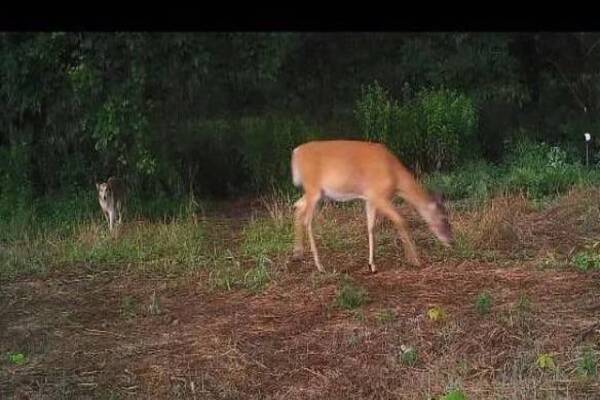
(431, 132)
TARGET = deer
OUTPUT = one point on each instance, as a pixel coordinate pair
(344, 170)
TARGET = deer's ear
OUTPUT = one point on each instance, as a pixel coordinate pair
(97, 186)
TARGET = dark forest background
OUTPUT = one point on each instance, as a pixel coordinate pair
(217, 114)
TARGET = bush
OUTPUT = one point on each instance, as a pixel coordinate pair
(431, 132)
(266, 148)
(535, 169)
(539, 169)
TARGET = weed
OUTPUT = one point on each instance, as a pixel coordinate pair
(483, 303)
(350, 296)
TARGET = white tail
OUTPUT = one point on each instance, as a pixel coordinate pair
(345, 170)
(295, 171)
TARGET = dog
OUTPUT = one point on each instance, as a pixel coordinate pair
(111, 196)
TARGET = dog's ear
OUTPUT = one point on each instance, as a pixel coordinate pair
(97, 186)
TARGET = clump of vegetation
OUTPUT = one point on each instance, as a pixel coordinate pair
(258, 277)
(436, 313)
(432, 130)
(587, 365)
(588, 259)
(350, 296)
(17, 358)
(455, 394)
(408, 355)
(227, 273)
(483, 303)
(545, 362)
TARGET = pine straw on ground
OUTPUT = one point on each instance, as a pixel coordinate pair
(83, 341)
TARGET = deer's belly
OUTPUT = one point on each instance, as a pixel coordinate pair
(342, 196)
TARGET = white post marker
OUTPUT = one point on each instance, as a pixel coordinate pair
(587, 137)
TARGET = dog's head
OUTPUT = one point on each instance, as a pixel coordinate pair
(103, 191)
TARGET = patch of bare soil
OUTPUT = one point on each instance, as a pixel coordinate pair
(288, 342)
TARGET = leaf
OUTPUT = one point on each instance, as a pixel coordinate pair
(545, 361)
(17, 358)
(454, 395)
(436, 314)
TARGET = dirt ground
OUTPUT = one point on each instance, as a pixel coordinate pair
(291, 342)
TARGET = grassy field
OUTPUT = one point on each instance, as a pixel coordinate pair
(206, 304)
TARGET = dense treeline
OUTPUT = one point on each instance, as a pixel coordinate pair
(218, 113)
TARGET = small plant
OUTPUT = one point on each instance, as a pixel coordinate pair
(408, 355)
(17, 358)
(545, 361)
(436, 314)
(587, 260)
(455, 394)
(350, 296)
(587, 365)
(483, 303)
(257, 278)
(385, 316)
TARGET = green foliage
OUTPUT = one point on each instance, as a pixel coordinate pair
(483, 303)
(349, 296)
(431, 131)
(587, 365)
(17, 358)
(476, 180)
(534, 169)
(166, 111)
(455, 394)
(587, 260)
(257, 278)
(266, 148)
(408, 355)
(545, 361)
(227, 273)
(266, 237)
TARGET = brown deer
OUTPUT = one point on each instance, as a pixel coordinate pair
(344, 170)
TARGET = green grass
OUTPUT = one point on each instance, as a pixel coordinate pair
(587, 260)
(266, 237)
(17, 358)
(455, 394)
(587, 365)
(350, 296)
(227, 272)
(178, 241)
(483, 303)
